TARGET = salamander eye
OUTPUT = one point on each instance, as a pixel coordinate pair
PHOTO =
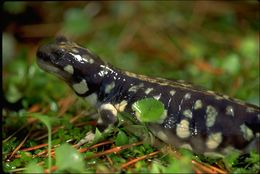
(58, 53)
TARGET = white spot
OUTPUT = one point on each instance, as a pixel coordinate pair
(109, 87)
(217, 97)
(135, 87)
(148, 90)
(157, 97)
(75, 50)
(69, 69)
(77, 57)
(230, 110)
(186, 146)
(187, 113)
(214, 140)
(80, 88)
(92, 99)
(187, 96)
(107, 68)
(226, 97)
(249, 109)
(239, 101)
(211, 115)
(63, 43)
(102, 73)
(100, 121)
(172, 92)
(247, 132)
(162, 135)
(211, 92)
(109, 107)
(87, 59)
(195, 132)
(182, 129)
(91, 61)
(121, 106)
(198, 104)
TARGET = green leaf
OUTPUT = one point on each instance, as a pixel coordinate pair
(68, 158)
(33, 168)
(149, 110)
(47, 121)
(98, 135)
(230, 159)
(156, 167)
(121, 138)
(181, 165)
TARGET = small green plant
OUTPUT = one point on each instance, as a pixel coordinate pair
(149, 110)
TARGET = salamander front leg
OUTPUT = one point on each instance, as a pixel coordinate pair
(106, 117)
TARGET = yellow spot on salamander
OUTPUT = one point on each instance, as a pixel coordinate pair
(109, 87)
(87, 59)
(214, 140)
(198, 104)
(148, 90)
(217, 97)
(187, 96)
(75, 50)
(121, 106)
(172, 92)
(247, 132)
(182, 129)
(187, 113)
(81, 88)
(69, 69)
(109, 107)
(211, 114)
(249, 109)
(157, 97)
(230, 110)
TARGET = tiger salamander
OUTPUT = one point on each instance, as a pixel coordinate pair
(196, 119)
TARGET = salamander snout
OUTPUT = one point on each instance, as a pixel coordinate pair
(50, 53)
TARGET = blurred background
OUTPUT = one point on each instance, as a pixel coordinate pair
(211, 44)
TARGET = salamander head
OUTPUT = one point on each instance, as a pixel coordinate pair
(71, 62)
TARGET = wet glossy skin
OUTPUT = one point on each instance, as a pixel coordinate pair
(199, 120)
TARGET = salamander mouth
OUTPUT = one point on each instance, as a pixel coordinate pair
(53, 70)
(48, 61)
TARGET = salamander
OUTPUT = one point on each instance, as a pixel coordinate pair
(201, 120)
